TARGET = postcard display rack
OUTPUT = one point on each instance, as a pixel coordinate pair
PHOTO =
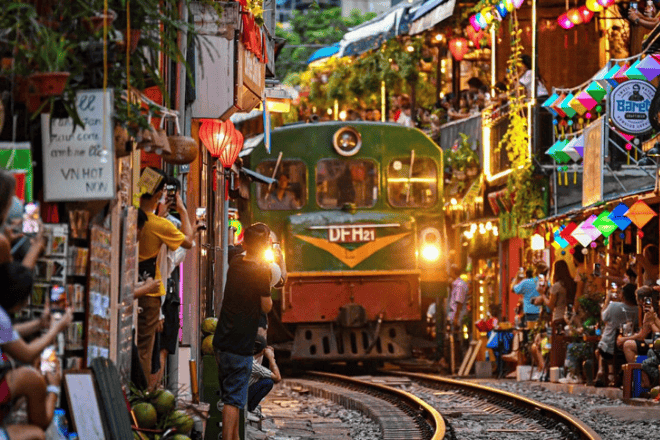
(60, 282)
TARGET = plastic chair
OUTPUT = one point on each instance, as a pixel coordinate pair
(632, 379)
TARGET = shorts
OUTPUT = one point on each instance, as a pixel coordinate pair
(234, 375)
(531, 317)
(3, 434)
(607, 356)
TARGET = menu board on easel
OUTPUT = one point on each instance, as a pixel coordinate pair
(98, 343)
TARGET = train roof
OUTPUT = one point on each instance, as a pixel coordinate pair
(253, 142)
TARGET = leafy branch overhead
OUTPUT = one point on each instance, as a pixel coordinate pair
(522, 187)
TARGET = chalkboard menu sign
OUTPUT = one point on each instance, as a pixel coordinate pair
(79, 162)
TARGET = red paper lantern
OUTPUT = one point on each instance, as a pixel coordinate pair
(458, 48)
(216, 135)
(587, 15)
(474, 36)
(564, 21)
(574, 16)
(230, 153)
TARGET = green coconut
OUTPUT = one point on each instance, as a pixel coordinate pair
(145, 414)
(139, 436)
(180, 437)
(656, 346)
(164, 402)
(209, 325)
(207, 345)
(655, 391)
(182, 422)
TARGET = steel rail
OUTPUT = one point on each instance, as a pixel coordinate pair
(584, 431)
(432, 416)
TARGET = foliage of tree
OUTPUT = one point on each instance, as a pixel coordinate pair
(313, 26)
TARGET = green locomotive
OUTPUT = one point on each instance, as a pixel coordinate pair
(358, 208)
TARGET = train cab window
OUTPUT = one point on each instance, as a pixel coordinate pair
(342, 181)
(412, 188)
(290, 191)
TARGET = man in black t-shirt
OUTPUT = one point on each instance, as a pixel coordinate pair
(247, 294)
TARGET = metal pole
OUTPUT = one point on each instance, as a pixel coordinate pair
(219, 265)
(225, 227)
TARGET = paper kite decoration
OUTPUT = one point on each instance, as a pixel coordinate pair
(640, 213)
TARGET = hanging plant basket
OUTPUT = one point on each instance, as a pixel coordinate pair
(48, 83)
(184, 150)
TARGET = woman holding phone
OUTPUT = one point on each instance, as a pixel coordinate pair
(647, 20)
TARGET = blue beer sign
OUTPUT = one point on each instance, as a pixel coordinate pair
(629, 106)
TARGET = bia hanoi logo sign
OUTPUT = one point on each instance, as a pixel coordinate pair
(629, 106)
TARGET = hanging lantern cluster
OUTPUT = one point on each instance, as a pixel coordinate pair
(222, 140)
(600, 225)
(481, 20)
(583, 14)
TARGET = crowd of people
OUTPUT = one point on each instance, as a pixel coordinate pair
(558, 311)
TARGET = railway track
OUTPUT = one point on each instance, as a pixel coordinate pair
(421, 406)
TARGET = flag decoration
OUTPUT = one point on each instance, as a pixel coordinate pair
(587, 101)
(559, 242)
(620, 75)
(609, 76)
(633, 72)
(582, 233)
(596, 91)
(567, 231)
(565, 106)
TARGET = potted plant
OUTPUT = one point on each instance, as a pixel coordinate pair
(50, 54)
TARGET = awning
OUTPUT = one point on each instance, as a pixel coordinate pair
(324, 52)
(431, 13)
(373, 33)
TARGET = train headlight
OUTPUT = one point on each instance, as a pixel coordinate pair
(430, 252)
(269, 255)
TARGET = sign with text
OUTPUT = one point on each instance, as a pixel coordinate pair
(250, 79)
(592, 180)
(79, 163)
(629, 106)
(351, 234)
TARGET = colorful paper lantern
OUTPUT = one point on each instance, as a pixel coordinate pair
(596, 91)
(604, 224)
(474, 36)
(594, 6)
(606, 3)
(565, 22)
(620, 76)
(458, 48)
(565, 106)
(586, 14)
(618, 216)
(502, 10)
(231, 151)
(488, 15)
(633, 72)
(216, 135)
(574, 16)
(578, 145)
(571, 151)
(475, 24)
(517, 3)
(509, 5)
(559, 242)
(586, 100)
(649, 67)
(582, 233)
(567, 231)
(576, 105)
(609, 76)
(599, 77)
(481, 20)
(640, 213)
(548, 103)
(556, 106)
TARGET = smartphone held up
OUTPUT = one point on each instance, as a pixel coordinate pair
(31, 218)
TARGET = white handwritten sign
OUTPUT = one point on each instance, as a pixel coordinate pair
(79, 164)
(84, 405)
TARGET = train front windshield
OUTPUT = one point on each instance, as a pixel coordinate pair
(341, 181)
(412, 188)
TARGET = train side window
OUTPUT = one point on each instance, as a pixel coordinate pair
(342, 181)
(290, 190)
(412, 188)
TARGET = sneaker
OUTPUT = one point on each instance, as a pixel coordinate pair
(220, 405)
(536, 376)
(570, 379)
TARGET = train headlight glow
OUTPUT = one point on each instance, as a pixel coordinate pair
(269, 255)
(430, 252)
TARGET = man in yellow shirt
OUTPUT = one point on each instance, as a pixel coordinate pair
(156, 232)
